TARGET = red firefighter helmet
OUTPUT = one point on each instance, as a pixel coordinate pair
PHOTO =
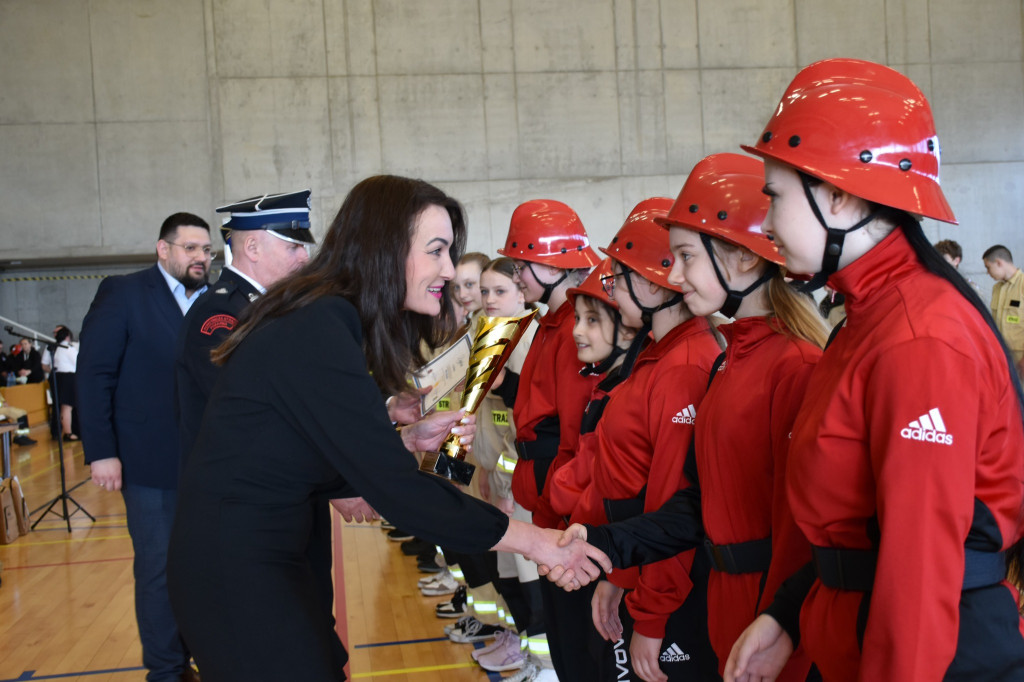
(722, 197)
(593, 285)
(864, 128)
(641, 245)
(548, 232)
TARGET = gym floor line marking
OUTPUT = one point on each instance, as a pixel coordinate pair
(400, 642)
(31, 674)
(68, 563)
(91, 525)
(69, 540)
(406, 671)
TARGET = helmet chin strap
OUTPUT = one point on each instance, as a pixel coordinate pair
(647, 314)
(733, 298)
(605, 365)
(548, 288)
(833, 241)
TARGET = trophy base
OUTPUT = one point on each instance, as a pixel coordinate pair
(448, 468)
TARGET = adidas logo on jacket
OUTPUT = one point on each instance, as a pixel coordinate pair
(928, 428)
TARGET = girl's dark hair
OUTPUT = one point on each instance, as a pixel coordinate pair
(362, 259)
(937, 265)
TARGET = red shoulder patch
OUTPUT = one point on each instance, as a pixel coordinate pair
(218, 322)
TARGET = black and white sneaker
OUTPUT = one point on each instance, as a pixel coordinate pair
(475, 631)
(456, 608)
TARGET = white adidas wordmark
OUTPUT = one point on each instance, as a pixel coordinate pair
(685, 416)
(929, 428)
(674, 654)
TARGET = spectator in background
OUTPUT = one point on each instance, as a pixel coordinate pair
(28, 364)
(64, 366)
(954, 255)
(1007, 294)
(6, 374)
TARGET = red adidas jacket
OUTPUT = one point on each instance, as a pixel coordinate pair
(643, 439)
(910, 419)
(566, 486)
(742, 443)
(550, 386)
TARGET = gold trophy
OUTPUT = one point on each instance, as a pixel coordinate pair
(493, 343)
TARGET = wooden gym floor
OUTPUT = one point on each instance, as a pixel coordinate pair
(66, 599)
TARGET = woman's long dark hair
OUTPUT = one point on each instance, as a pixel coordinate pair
(937, 265)
(362, 259)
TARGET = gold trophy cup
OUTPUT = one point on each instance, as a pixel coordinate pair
(495, 339)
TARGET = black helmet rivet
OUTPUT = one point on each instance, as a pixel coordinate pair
(629, 245)
(693, 208)
(529, 246)
(666, 263)
(767, 137)
(563, 249)
(722, 215)
(833, 249)
(794, 141)
(866, 156)
(515, 244)
(580, 247)
(905, 164)
(614, 239)
(931, 145)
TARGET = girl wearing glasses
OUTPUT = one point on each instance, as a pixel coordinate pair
(724, 263)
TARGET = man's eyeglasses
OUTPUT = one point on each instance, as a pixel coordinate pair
(193, 250)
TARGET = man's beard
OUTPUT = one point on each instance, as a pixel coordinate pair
(193, 282)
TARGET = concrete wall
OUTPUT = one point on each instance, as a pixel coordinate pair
(116, 113)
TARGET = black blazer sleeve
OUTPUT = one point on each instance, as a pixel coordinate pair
(104, 338)
(674, 527)
(329, 396)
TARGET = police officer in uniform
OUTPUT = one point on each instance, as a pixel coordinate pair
(266, 239)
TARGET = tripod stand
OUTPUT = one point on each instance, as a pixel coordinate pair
(65, 495)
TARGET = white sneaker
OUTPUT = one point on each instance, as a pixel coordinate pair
(509, 656)
(528, 673)
(433, 577)
(445, 584)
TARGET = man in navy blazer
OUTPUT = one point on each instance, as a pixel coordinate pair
(125, 386)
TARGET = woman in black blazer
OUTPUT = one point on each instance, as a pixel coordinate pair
(274, 441)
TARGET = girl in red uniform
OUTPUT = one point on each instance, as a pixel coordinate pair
(642, 441)
(723, 263)
(552, 252)
(907, 457)
(602, 341)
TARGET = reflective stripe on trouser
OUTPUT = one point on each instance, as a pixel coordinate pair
(506, 464)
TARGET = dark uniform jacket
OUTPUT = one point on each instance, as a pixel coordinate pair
(208, 323)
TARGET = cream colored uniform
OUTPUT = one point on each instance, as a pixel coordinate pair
(495, 444)
(1008, 311)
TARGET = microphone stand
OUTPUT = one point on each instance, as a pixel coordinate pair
(64, 496)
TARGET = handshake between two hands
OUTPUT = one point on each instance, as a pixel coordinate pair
(568, 560)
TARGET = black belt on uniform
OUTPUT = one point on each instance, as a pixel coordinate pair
(545, 447)
(620, 510)
(854, 569)
(753, 556)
